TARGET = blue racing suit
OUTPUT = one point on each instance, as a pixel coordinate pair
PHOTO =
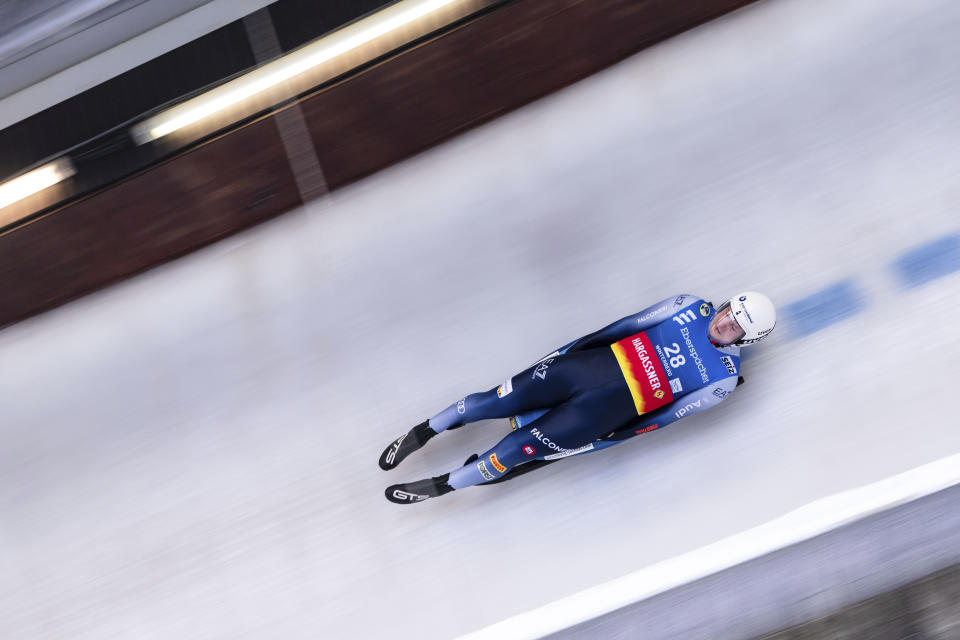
(636, 375)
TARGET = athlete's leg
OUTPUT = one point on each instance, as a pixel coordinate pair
(548, 383)
(570, 426)
(573, 424)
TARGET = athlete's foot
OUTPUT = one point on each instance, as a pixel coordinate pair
(410, 492)
(405, 445)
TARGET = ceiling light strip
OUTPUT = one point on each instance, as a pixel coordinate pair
(35, 181)
(287, 68)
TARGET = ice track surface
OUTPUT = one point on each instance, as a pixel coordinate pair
(192, 454)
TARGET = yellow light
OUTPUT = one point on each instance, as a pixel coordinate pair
(35, 181)
(286, 68)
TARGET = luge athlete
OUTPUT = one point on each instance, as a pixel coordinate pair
(673, 359)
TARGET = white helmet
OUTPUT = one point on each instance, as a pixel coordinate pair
(754, 313)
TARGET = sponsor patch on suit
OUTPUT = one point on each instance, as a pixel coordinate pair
(484, 471)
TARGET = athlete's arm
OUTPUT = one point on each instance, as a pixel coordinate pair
(631, 324)
(694, 402)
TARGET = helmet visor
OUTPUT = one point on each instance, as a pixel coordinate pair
(724, 328)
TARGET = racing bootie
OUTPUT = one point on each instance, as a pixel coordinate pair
(410, 492)
(405, 445)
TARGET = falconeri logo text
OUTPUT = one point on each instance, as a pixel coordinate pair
(547, 442)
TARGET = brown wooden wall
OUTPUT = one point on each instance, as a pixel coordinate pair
(509, 57)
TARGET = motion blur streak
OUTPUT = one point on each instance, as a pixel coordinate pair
(936, 259)
(377, 25)
(193, 453)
